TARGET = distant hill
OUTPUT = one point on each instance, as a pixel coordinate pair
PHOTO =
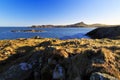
(80, 24)
(98, 25)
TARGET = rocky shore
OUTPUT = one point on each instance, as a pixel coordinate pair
(54, 59)
(103, 32)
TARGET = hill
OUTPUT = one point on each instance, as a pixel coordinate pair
(80, 24)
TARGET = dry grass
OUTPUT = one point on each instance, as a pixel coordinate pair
(13, 51)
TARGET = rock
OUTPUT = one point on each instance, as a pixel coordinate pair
(17, 72)
(46, 73)
(37, 73)
(25, 66)
(46, 44)
(61, 59)
(59, 73)
(36, 76)
(37, 37)
(101, 76)
(20, 71)
(105, 32)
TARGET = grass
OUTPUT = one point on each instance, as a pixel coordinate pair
(84, 51)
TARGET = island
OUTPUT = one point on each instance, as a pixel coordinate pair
(33, 30)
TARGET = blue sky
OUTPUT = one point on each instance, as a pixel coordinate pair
(29, 12)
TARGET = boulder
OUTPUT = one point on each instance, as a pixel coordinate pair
(59, 72)
(20, 71)
(17, 72)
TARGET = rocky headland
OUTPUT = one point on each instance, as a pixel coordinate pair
(104, 32)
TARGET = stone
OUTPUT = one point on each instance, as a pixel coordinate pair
(25, 66)
(59, 73)
(101, 76)
(37, 37)
(16, 72)
(20, 71)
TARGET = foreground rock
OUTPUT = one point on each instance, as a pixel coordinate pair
(111, 32)
(53, 59)
(101, 76)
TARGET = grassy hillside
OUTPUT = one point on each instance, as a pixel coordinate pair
(79, 58)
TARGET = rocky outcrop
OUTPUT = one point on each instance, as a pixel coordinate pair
(109, 32)
(53, 59)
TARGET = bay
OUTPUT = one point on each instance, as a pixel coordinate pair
(61, 33)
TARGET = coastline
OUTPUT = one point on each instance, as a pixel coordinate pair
(76, 25)
(74, 59)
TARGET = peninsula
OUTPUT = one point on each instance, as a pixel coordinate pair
(76, 25)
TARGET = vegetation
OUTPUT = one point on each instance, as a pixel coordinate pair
(80, 58)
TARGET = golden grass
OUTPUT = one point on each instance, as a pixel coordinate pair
(23, 48)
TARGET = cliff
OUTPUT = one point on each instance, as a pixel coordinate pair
(48, 59)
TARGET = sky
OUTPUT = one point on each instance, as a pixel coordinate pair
(38, 12)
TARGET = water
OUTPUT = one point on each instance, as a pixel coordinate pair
(61, 33)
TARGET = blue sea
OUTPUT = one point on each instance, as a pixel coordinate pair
(61, 33)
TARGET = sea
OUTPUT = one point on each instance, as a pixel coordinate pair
(60, 33)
